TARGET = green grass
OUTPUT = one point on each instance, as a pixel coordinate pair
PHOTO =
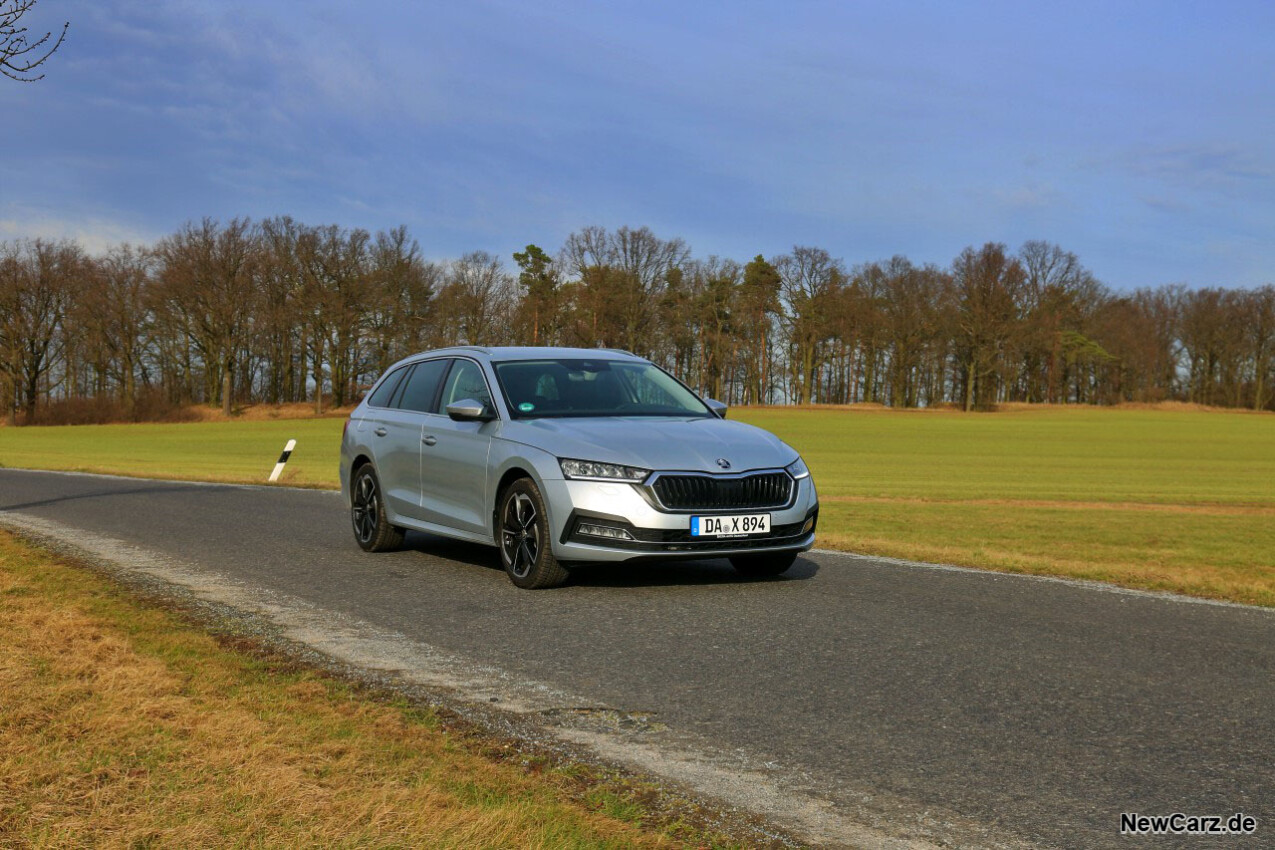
(1157, 499)
(242, 452)
(1074, 454)
(1179, 500)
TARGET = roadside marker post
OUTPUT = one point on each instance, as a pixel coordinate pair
(283, 459)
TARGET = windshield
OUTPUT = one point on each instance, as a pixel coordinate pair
(568, 387)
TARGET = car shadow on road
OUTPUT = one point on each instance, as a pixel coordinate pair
(473, 554)
(680, 574)
(651, 574)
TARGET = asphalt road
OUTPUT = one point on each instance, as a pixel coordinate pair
(1040, 710)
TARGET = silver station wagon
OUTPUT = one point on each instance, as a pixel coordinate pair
(562, 456)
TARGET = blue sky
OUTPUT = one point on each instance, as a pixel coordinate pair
(1141, 136)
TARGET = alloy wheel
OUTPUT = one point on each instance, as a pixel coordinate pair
(520, 534)
(364, 509)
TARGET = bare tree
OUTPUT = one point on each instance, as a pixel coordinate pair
(336, 263)
(283, 317)
(21, 54)
(112, 312)
(862, 332)
(1209, 342)
(1059, 294)
(809, 279)
(1260, 308)
(989, 287)
(910, 310)
(1161, 310)
(265, 312)
(758, 309)
(208, 276)
(715, 284)
(621, 276)
(37, 282)
(402, 297)
(475, 302)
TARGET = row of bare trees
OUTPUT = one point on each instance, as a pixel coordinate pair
(278, 311)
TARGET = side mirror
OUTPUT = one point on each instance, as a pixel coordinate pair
(470, 410)
(717, 407)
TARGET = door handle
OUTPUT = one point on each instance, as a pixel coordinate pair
(380, 432)
(429, 440)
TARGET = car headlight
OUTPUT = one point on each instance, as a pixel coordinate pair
(797, 469)
(592, 470)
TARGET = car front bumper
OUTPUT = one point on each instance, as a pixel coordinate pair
(662, 535)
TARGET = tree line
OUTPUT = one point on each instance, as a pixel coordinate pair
(278, 311)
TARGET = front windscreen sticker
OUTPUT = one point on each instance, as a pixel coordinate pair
(526, 407)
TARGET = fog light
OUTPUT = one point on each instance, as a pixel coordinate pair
(610, 532)
(810, 523)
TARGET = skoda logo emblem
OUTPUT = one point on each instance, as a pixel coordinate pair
(723, 463)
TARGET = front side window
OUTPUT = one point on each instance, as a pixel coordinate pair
(465, 381)
(571, 387)
(422, 386)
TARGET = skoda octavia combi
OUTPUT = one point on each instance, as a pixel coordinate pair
(563, 456)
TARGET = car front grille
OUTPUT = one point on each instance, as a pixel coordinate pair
(719, 493)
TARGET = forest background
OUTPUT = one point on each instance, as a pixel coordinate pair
(276, 311)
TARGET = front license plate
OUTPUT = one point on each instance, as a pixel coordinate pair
(739, 525)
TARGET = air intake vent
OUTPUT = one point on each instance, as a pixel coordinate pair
(719, 493)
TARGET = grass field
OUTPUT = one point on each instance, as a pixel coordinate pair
(1180, 500)
(1154, 499)
(242, 452)
(121, 725)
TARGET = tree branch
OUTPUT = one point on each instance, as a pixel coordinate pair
(19, 55)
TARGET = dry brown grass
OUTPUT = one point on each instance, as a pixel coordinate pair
(1065, 505)
(1162, 406)
(120, 726)
(153, 408)
(857, 407)
(266, 412)
(948, 407)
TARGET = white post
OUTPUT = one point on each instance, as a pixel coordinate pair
(283, 458)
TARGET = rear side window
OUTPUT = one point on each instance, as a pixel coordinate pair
(381, 398)
(422, 386)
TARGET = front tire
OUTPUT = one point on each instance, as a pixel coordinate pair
(372, 530)
(522, 532)
(762, 566)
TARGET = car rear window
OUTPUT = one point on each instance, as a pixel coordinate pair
(382, 395)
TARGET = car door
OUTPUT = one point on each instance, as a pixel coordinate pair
(454, 477)
(396, 437)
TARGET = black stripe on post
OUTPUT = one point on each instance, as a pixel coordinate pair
(283, 458)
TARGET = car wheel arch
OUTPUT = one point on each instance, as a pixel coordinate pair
(522, 465)
(509, 476)
(361, 460)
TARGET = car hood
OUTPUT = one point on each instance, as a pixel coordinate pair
(656, 443)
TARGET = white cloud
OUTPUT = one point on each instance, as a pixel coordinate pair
(95, 234)
(1205, 166)
(1032, 196)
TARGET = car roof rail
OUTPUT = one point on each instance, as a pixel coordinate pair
(479, 348)
(619, 351)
